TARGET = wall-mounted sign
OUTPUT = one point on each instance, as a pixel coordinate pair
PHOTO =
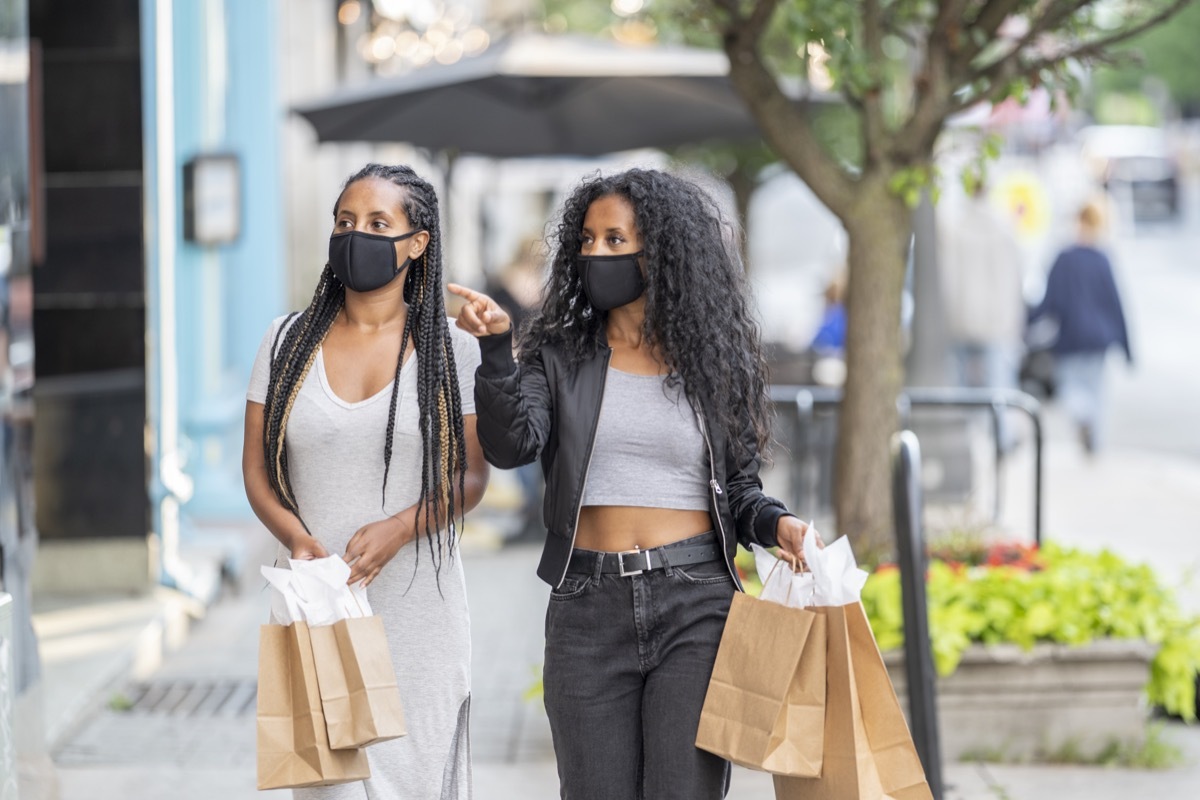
(212, 199)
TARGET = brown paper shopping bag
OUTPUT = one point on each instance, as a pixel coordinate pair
(765, 707)
(357, 682)
(293, 748)
(869, 752)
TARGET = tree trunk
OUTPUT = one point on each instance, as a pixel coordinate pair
(879, 228)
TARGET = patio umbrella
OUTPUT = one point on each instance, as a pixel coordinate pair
(537, 95)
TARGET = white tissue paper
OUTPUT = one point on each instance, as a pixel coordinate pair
(833, 579)
(315, 591)
(837, 580)
(780, 584)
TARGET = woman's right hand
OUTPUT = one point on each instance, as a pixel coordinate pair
(306, 548)
(480, 315)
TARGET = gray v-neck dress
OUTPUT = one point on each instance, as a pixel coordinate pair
(335, 457)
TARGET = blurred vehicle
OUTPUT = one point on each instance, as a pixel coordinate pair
(1135, 164)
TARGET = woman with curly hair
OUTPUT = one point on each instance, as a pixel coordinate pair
(360, 439)
(641, 387)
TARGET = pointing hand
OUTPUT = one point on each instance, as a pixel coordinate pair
(480, 315)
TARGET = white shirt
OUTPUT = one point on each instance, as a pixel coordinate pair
(335, 448)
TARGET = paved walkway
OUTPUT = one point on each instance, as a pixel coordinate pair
(190, 733)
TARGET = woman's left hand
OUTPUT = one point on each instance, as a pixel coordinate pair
(373, 546)
(790, 533)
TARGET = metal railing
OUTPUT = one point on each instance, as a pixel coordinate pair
(918, 652)
(804, 401)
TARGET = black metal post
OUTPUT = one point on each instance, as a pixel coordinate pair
(1037, 479)
(918, 653)
(998, 453)
(804, 468)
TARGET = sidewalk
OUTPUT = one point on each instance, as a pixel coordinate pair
(1142, 505)
(190, 732)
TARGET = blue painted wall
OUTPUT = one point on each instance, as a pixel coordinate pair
(226, 100)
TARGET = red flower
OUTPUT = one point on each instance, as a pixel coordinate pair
(1018, 556)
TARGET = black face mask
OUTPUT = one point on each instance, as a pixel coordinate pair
(611, 281)
(364, 262)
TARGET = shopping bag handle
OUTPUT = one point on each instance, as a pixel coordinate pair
(360, 608)
(791, 563)
(803, 568)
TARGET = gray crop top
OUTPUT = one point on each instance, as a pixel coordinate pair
(648, 449)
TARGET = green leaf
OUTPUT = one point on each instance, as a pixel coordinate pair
(1075, 598)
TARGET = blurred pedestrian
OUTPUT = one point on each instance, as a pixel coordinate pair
(1084, 307)
(829, 342)
(360, 439)
(640, 385)
(830, 338)
(517, 287)
(982, 276)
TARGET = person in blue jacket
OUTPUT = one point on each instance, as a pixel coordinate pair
(1083, 303)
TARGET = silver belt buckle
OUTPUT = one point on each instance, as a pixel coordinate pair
(621, 562)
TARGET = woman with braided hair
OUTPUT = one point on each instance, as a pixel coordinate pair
(641, 387)
(360, 439)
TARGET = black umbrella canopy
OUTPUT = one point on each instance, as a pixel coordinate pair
(536, 95)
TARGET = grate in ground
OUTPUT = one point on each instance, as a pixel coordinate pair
(186, 698)
(185, 723)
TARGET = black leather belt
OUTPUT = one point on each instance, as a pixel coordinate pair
(635, 562)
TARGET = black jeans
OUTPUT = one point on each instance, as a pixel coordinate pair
(628, 661)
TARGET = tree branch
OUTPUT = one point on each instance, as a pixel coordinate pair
(733, 10)
(993, 16)
(763, 11)
(989, 20)
(785, 127)
(1095, 46)
(874, 124)
(933, 85)
(750, 28)
(997, 76)
(1055, 14)
(949, 13)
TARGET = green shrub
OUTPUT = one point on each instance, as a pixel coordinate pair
(1064, 595)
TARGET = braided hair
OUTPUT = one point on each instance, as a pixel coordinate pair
(698, 312)
(443, 441)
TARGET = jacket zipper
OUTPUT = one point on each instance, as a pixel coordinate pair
(716, 493)
(587, 466)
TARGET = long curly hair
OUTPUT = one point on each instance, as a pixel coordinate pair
(698, 314)
(443, 441)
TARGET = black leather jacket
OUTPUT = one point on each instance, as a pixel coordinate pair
(547, 409)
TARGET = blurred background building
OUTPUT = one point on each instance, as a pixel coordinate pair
(161, 207)
(156, 194)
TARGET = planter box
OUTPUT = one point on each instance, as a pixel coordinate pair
(1007, 703)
